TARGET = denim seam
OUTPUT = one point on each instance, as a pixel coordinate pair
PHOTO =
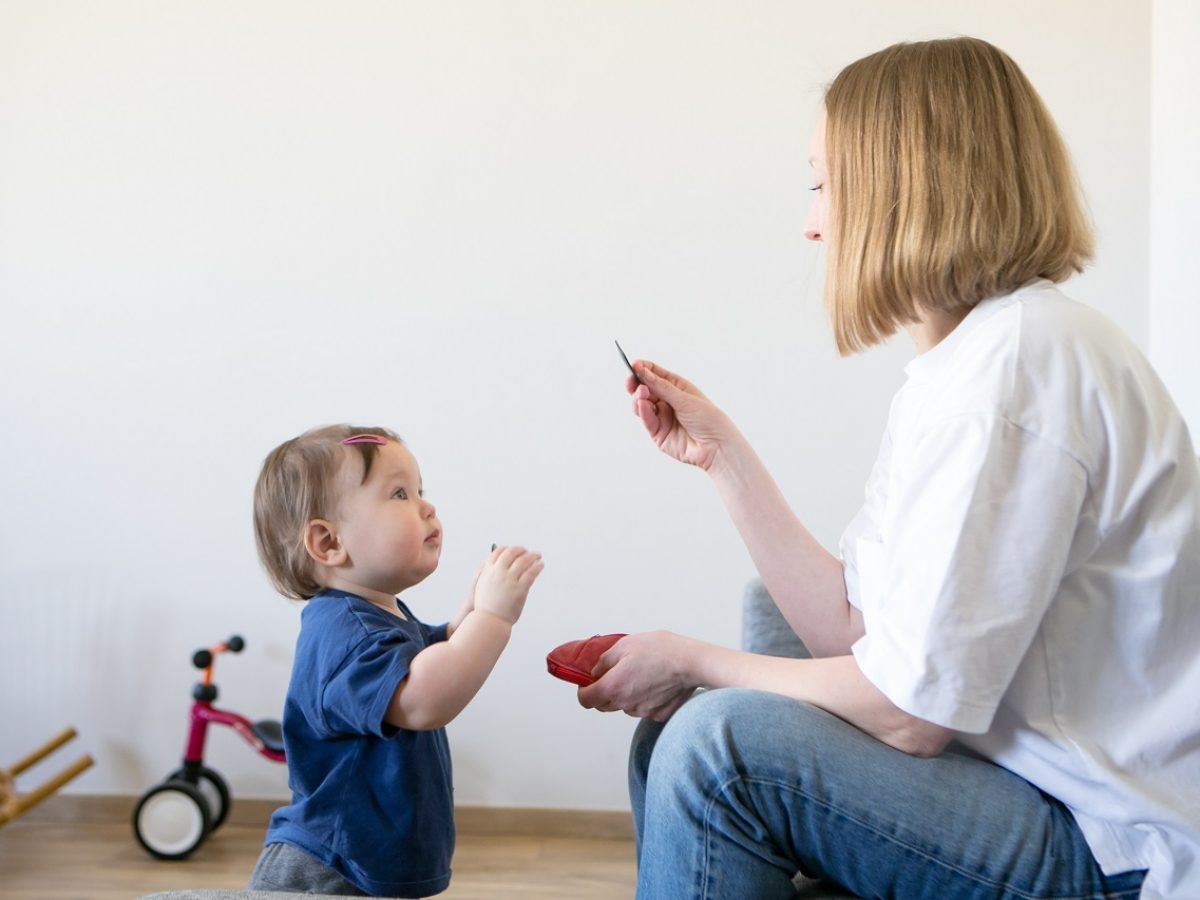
(867, 826)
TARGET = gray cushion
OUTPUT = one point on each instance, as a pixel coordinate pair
(764, 629)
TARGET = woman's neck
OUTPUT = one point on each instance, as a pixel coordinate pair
(933, 326)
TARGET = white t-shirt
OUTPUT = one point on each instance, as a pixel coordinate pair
(1027, 564)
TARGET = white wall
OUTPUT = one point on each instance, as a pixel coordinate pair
(223, 223)
(1175, 202)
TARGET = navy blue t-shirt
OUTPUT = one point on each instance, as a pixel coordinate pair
(373, 802)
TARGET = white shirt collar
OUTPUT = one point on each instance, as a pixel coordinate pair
(928, 364)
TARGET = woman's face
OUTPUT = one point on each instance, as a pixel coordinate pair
(814, 227)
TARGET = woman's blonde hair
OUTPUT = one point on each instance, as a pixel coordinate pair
(295, 486)
(949, 183)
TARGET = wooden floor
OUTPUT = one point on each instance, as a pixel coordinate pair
(53, 857)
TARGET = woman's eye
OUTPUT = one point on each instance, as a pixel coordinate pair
(400, 494)
(816, 187)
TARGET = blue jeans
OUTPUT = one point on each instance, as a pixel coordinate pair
(742, 789)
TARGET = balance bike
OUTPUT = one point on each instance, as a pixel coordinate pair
(174, 817)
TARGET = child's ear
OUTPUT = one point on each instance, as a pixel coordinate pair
(323, 544)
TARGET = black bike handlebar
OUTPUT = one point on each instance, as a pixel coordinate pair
(202, 659)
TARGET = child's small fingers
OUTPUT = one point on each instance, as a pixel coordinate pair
(522, 564)
(514, 556)
(504, 555)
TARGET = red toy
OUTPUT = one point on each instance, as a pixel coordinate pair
(574, 660)
(173, 818)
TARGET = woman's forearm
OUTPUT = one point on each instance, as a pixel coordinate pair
(804, 579)
(835, 684)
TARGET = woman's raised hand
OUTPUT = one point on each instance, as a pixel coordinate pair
(678, 417)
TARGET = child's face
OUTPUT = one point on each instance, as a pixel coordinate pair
(391, 534)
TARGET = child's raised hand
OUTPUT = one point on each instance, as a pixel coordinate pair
(504, 582)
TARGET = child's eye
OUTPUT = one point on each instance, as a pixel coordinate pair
(400, 494)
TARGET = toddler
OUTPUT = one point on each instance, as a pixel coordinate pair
(341, 521)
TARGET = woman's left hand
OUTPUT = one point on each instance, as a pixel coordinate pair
(645, 675)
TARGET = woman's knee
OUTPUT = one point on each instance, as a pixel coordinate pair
(720, 729)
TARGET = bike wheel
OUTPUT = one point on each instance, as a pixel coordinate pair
(214, 789)
(171, 820)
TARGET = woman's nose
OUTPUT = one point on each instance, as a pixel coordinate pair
(812, 225)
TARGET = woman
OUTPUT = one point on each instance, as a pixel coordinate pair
(1005, 699)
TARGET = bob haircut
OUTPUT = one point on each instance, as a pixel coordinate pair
(295, 486)
(949, 183)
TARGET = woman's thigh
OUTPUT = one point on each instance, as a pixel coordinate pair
(742, 788)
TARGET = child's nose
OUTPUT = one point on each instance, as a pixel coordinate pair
(430, 509)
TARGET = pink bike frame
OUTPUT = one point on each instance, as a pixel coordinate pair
(203, 712)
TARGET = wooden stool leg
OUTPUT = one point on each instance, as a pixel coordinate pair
(13, 804)
(38, 794)
(42, 752)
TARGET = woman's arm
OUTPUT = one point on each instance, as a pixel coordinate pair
(805, 580)
(652, 674)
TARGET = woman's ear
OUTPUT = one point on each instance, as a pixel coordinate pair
(323, 544)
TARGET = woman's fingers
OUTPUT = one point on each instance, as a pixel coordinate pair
(645, 410)
(656, 415)
(608, 659)
(663, 382)
(589, 697)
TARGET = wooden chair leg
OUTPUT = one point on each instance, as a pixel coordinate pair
(13, 804)
(38, 794)
(42, 752)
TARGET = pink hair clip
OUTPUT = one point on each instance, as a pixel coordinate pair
(365, 439)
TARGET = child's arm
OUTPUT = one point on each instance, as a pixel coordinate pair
(469, 603)
(463, 612)
(443, 678)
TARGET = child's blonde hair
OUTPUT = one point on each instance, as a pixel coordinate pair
(294, 487)
(949, 184)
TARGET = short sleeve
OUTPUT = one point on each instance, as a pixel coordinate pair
(357, 695)
(864, 528)
(976, 539)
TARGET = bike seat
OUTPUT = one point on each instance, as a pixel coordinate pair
(270, 733)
